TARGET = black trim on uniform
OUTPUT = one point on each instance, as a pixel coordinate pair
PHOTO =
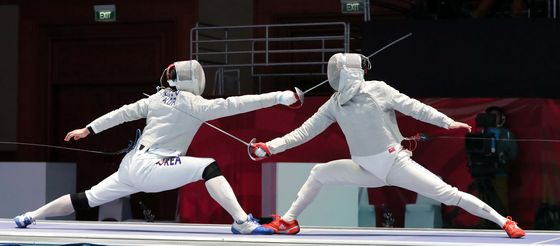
(79, 201)
(211, 171)
(90, 130)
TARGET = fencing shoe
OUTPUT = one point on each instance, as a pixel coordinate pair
(512, 230)
(250, 226)
(22, 221)
(281, 226)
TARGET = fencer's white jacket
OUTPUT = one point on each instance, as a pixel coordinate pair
(367, 120)
(167, 128)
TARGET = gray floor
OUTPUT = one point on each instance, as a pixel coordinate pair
(141, 233)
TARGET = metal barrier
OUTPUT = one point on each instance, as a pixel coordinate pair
(269, 50)
(555, 8)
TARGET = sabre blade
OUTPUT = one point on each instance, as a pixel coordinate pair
(390, 44)
(310, 89)
(224, 132)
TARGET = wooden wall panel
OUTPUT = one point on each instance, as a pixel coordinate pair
(128, 58)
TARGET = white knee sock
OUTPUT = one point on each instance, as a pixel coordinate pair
(221, 191)
(305, 196)
(59, 207)
(477, 207)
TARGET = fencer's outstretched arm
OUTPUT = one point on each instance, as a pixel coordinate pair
(220, 107)
(307, 131)
(129, 112)
(418, 110)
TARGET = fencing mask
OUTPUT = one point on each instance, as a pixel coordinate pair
(345, 73)
(186, 76)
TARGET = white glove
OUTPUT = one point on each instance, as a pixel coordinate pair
(286, 98)
(260, 152)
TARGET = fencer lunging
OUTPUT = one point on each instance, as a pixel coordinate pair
(365, 111)
(158, 162)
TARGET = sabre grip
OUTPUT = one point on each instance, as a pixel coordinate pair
(260, 150)
(299, 99)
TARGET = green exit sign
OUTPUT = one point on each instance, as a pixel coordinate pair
(352, 6)
(105, 13)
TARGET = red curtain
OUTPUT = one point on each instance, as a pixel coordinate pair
(534, 176)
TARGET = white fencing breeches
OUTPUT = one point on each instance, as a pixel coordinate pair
(146, 171)
(404, 173)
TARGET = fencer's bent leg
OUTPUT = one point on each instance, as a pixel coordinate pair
(220, 190)
(174, 172)
(408, 174)
(59, 207)
(335, 172)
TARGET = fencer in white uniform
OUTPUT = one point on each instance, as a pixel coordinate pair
(365, 111)
(158, 162)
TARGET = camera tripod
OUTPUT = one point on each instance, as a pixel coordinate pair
(486, 192)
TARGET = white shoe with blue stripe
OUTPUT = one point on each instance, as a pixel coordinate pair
(250, 226)
(22, 221)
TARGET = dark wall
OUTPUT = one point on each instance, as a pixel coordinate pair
(9, 16)
(73, 70)
(468, 58)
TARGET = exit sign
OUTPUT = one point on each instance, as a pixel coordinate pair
(105, 13)
(352, 6)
